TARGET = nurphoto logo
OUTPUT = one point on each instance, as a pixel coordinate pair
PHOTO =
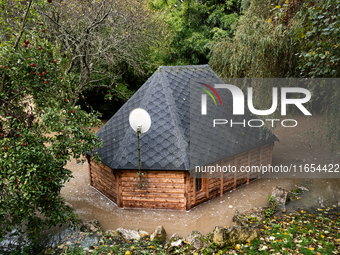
(239, 104)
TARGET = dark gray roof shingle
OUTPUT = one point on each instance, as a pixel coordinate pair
(166, 146)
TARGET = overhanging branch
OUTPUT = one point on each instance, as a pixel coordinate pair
(23, 24)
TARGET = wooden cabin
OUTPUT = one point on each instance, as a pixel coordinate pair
(165, 149)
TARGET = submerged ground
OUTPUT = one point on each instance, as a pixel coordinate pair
(292, 149)
(298, 232)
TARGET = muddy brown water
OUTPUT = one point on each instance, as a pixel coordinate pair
(292, 149)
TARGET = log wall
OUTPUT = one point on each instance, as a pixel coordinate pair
(174, 189)
(219, 183)
(103, 179)
(162, 190)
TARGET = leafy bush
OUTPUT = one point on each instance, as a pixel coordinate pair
(40, 129)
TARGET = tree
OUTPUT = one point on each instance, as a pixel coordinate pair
(102, 44)
(194, 25)
(319, 37)
(98, 38)
(261, 48)
(287, 39)
(10, 22)
(40, 129)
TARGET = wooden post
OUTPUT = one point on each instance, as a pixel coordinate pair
(249, 166)
(119, 190)
(187, 190)
(235, 174)
(89, 162)
(221, 188)
(194, 191)
(206, 186)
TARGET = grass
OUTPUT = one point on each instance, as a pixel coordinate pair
(298, 232)
(110, 245)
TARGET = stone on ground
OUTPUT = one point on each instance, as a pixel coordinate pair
(90, 226)
(280, 195)
(227, 236)
(252, 217)
(196, 240)
(129, 234)
(175, 241)
(159, 235)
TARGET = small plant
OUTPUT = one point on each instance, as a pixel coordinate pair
(273, 206)
(252, 219)
(296, 191)
(271, 200)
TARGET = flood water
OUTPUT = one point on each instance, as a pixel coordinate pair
(292, 148)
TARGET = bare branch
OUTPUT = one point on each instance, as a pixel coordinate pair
(104, 78)
(2, 82)
(57, 24)
(100, 21)
(101, 7)
(23, 24)
(98, 37)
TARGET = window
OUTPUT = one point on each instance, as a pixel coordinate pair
(199, 182)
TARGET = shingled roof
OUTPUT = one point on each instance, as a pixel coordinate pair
(166, 146)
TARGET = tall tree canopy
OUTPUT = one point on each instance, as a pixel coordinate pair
(51, 52)
(98, 37)
(104, 46)
(194, 25)
(40, 129)
(282, 39)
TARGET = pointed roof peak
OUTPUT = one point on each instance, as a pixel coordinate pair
(166, 146)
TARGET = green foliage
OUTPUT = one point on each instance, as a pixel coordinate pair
(10, 17)
(104, 47)
(194, 25)
(113, 245)
(273, 206)
(297, 191)
(40, 129)
(107, 101)
(260, 48)
(319, 55)
(289, 39)
(26, 251)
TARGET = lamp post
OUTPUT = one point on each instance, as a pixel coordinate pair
(140, 174)
(140, 121)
